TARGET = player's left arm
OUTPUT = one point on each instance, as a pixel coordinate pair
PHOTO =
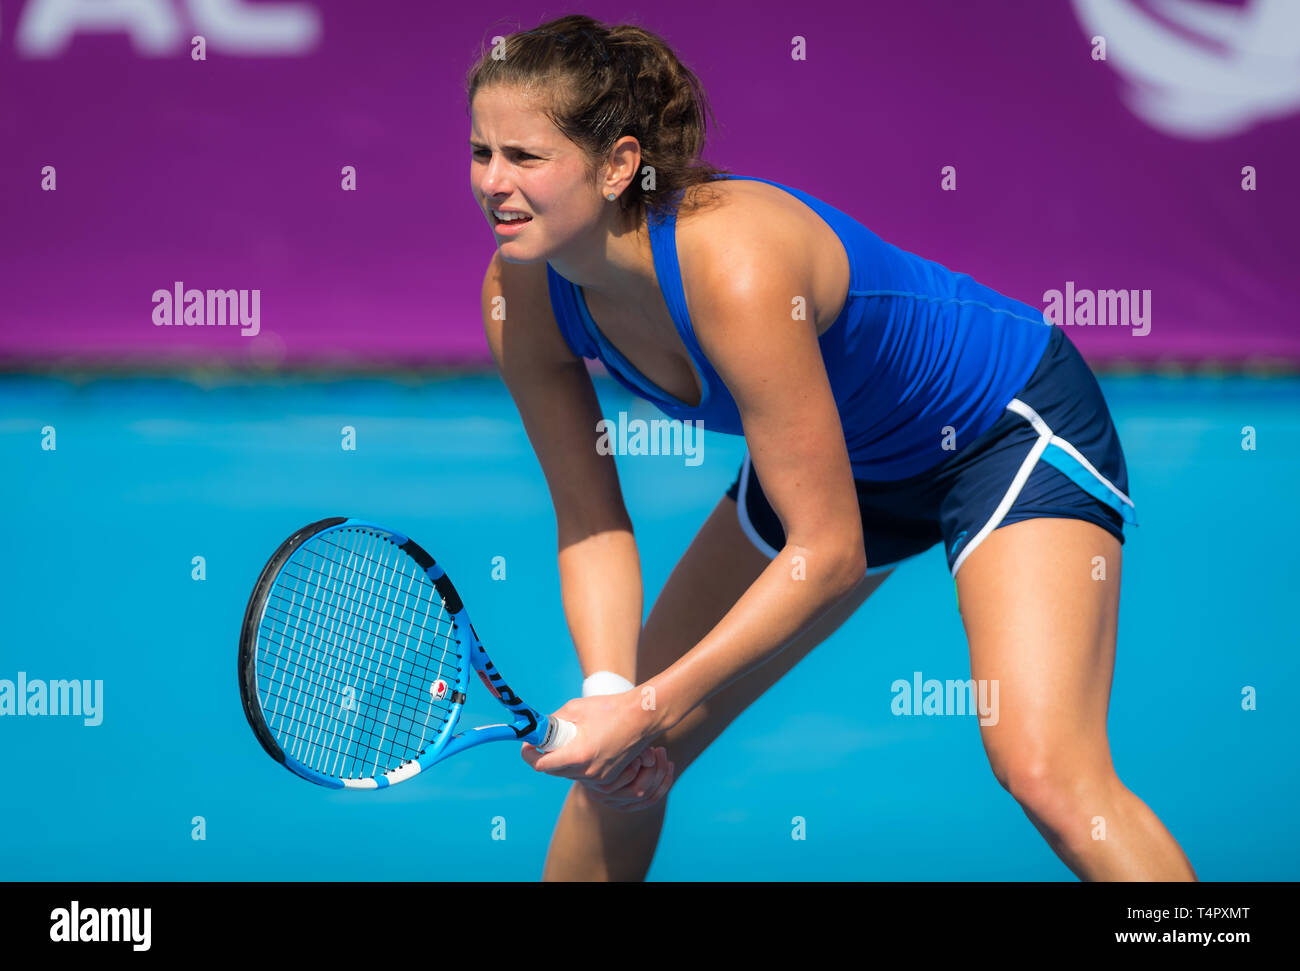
(772, 366)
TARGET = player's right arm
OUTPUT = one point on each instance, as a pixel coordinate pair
(600, 570)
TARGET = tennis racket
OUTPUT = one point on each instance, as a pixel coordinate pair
(355, 656)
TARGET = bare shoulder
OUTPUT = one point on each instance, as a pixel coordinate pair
(736, 223)
(749, 233)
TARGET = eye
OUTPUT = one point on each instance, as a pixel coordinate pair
(517, 154)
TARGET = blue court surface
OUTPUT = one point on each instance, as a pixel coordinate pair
(148, 474)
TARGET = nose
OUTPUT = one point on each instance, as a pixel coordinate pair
(493, 181)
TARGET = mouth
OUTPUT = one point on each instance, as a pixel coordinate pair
(516, 220)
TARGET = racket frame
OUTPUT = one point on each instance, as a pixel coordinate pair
(529, 725)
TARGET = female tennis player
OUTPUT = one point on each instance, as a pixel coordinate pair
(887, 404)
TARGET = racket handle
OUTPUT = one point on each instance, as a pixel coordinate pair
(558, 733)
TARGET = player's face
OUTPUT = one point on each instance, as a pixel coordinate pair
(520, 161)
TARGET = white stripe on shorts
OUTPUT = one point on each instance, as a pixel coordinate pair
(1045, 438)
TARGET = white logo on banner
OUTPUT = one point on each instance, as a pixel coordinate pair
(1200, 69)
(159, 28)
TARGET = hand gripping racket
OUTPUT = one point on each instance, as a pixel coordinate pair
(355, 656)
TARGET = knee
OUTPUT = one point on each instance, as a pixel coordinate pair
(1035, 783)
(1056, 789)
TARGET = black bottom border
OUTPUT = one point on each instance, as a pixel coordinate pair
(379, 921)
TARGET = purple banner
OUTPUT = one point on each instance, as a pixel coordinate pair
(1128, 166)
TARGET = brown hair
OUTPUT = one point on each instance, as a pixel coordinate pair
(599, 83)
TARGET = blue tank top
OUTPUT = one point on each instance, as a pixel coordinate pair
(917, 350)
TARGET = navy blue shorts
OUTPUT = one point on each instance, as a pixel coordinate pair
(1053, 453)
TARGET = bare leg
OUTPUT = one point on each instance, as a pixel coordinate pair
(1044, 629)
(594, 842)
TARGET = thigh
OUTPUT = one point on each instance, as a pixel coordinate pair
(715, 571)
(1040, 603)
(717, 568)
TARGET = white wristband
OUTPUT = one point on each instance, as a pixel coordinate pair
(605, 683)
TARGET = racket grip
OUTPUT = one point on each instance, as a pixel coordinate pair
(558, 733)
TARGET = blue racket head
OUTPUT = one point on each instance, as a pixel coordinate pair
(354, 655)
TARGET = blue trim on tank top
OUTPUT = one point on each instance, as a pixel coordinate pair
(948, 300)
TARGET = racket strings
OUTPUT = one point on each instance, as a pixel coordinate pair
(352, 622)
(366, 683)
(380, 670)
(353, 637)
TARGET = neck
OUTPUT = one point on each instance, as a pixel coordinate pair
(618, 266)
